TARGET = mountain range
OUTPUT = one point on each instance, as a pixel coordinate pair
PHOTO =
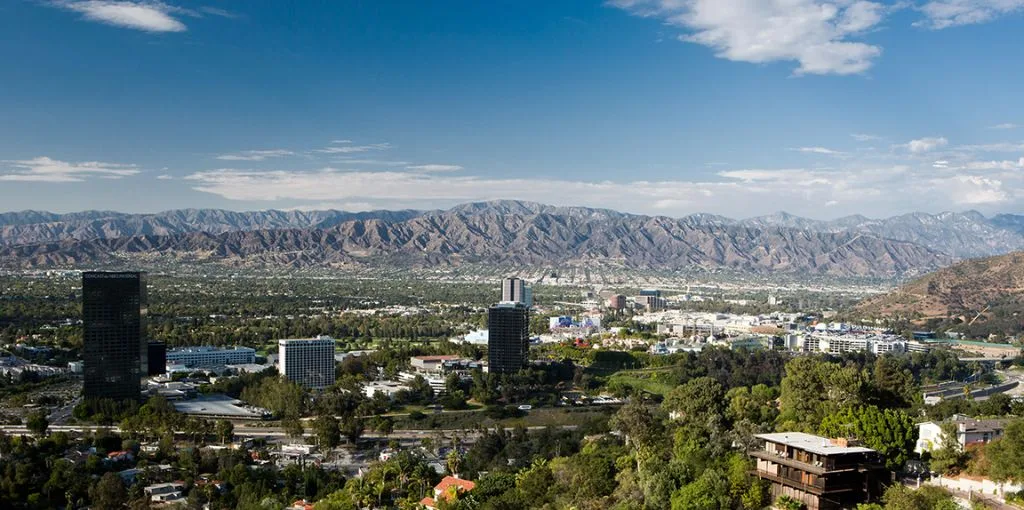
(508, 232)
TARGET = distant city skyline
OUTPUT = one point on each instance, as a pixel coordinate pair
(736, 107)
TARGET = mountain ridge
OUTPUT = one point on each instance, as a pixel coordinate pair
(486, 233)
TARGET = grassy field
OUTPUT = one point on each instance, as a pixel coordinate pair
(642, 381)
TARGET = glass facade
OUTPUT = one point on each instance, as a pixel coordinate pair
(508, 343)
(114, 349)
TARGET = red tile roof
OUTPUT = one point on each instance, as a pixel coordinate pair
(450, 481)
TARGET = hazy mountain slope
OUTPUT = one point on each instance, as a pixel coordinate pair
(511, 233)
(33, 227)
(962, 235)
(965, 288)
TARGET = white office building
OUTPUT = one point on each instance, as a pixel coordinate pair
(207, 356)
(309, 362)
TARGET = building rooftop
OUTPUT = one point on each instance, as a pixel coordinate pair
(209, 348)
(321, 338)
(439, 357)
(811, 443)
(965, 424)
(449, 481)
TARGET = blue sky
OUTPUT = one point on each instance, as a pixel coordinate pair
(736, 107)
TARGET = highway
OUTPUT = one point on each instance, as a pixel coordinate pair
(270, 432)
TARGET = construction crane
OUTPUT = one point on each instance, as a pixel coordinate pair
(979, 314)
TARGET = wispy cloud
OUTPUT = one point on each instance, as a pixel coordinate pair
(863, 137)
(940, 14)
(374, 162)
(1005, 125)
(257, 155)
(922, 145)
(819, 35)
(993, 147)
(216, 11)
(346, 148)
(44, 169)
(165, 177)
(819, 150)
(149, 16)
(434, 168)
(145, 15)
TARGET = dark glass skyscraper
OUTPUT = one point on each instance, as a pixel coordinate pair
(508, 340)
(113, 342)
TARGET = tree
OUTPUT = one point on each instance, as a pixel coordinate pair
(1004, 454)
(813, 388)
(708, 492)
(893, 382)
(640, 428)
(327, 432)
(928, 497)
(891, 431)
(351, 427)
(383, 425)
(108, 493)
(225, 431)
(949, 457)
(37, 423)
(293, 427)
(698, 401)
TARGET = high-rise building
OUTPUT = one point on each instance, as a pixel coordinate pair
(508, 337)
(516, 290)
(512, 289)
(157, 358)
(309, 362)
(114, 347)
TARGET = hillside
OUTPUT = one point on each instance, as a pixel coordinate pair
(964, 289)
(960, 235)
(504, 233)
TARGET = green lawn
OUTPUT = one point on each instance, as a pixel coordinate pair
(644, 382)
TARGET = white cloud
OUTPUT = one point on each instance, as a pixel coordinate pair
(44, 169)
(259, 155)
(854, 188)
(375, 162)
(863, 137)
(972, 190)
(165, 177)
(434, 168)
(820, 150)
(339, 142)
(1005, 125)
(940, 14)
(820, 35)
(148, 16)
(352, 149)
(993, 147)
(922, 145)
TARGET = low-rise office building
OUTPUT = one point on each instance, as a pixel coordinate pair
(207, 356)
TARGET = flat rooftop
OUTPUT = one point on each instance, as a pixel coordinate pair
(218, 405)
(811, 443)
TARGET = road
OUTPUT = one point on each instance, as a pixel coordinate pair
(272, 432)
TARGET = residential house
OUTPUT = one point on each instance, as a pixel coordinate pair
(448, 489)
(821, 473)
